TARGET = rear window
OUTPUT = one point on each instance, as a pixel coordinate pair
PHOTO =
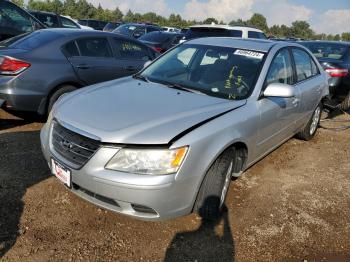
(211, 32)
(327, 50)
(155, 37)
(32, 40)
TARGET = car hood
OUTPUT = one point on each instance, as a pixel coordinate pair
(129, 111)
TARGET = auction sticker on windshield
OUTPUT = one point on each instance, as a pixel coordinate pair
(61, 172)
(248, 53)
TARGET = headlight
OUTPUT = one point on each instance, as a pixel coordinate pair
(148, 161)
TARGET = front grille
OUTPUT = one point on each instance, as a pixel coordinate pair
(72, 147)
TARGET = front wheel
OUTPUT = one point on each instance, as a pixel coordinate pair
(57, 94)
(213, 191)
(310, 129)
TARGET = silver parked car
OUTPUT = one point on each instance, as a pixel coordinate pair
(166, 142)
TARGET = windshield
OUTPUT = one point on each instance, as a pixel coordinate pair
(327, 50)
(125, 29)
(198, 32)
(216, 71)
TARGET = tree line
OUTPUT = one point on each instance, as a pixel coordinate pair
(79, 9)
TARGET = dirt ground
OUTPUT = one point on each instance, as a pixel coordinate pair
(294, 205)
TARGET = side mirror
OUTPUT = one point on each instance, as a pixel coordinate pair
(147, 63)
(279, 90)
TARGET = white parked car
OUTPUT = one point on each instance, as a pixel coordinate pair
(214, 30)
(171, 29)
(76, 23)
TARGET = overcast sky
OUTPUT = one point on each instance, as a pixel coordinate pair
(325, 16)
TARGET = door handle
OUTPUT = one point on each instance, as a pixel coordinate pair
(83, 66)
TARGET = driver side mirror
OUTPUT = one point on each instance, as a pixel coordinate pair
(279, 90)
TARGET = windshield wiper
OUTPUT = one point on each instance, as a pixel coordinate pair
(140, 77)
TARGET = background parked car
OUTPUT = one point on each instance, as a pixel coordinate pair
(53, 20)
(335, 59)
(111, 26)
(161, 41)
(171, 29)
(136, 29)
(15, 21)
(95, 24)
(198, 31)
(41, 66)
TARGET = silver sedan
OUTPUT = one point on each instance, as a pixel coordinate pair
(166, 142)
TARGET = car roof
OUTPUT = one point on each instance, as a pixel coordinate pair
(79, 32)
(242, 43)
(41, 12)
(326, 42)
(228, 27)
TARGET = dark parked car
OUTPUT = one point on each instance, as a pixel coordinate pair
(53, 20)
(335, 59)
(95, 24)
(15, 21)
(111, 26)
(136, 30)
(161, 41)
(37, 68)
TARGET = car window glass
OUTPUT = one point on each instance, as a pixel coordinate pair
(131, 50)
(217, 71)
(47, 19)
(139, 31)
(83, 22)
(12, 19)
(236, 33)
(281, 70)
(302, 64)
(71, 49)
(327, 50)
(67, 23)
(94, 47)
(254, 34)
(152, 29)
(186, 55)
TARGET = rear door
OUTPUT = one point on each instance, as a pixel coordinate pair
(310, 83)
(93, 60)
(130, 55)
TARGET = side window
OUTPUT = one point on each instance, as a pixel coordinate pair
(314, 69)
(68, 23)
(94, 47)
(139, 31)
(302, 64)
(236, 33)
(48, 20)
(131, 50)
(13, 19)
(281, 70)
(71, 49)
(152, 29)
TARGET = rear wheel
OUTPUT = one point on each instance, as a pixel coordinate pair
(345, 105)
(57, 94)
(213, 191)
(310, 129)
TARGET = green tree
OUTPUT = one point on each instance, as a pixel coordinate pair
(301, 29)
(20, 3)
(238, 22)
(345, 36)
(258, 21)
(336, 37)
(129, 16)
(117, 15)
(210, 20)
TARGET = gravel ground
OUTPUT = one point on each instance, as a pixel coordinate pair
(293, 205)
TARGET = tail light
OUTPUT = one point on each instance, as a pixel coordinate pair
(157, 49)
(337, 72)
(11, 66)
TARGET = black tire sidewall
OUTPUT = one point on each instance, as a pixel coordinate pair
(57, 94)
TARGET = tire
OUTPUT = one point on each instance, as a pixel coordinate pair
(57, 94)
(212, 193)
(310, 129)
(345, 105)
